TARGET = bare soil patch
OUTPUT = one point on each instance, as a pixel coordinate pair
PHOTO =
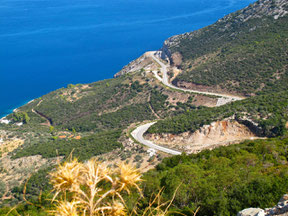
(220, 133)
(177, 59)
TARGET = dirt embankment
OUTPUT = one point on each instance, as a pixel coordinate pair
(176, 59)
(220, 133)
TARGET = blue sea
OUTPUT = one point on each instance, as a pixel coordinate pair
(47, 44)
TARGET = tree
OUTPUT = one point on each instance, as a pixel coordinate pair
(26, 118)
(51, 129)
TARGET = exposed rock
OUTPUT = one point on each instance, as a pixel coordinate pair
(252, 125)
(251, 212)
(143, 62)
(220, 133)
(281, 209)
(132, 66)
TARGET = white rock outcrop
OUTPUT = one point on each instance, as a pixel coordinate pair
(251, 212)
(281, 209)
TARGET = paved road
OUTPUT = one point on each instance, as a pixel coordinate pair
(139, 131)
(165, 81)
(138, 135)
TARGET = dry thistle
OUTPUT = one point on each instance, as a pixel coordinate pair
(117, 209)
(66, 177)
(65, 208)
(97, 190)
(93, 172)
(128, 177)
(92, 196)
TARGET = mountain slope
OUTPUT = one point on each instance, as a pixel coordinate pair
(86, 117)
(110, 104)
(268, 112)
(225, 180)
(245, 52)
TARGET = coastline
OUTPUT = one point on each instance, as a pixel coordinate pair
(117, 43)
(4, 115)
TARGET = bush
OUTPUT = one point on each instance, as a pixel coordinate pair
(225, 180)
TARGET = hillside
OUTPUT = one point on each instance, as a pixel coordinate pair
(86, 119)
(267, 115)
(238, 69)
(109, 104)
(225, 180)
(244, 52)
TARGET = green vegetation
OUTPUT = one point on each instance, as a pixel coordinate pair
(248, 57)
(23, 210)
(37, 192)
(121, 118)
(97, 112)
(225, 180)
(100, 107)
(108, 104)
(157, 101)
(2, 188)
(21, 117)
(221, 182)
(84, 148)
(37, 185)
(269, 111)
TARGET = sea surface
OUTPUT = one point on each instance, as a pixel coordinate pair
(47, 44)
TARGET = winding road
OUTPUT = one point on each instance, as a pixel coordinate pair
(165, 81)
(138, 133)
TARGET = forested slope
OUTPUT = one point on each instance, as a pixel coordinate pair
(246, 52)
(104, 105)
(225, 180)
(269, 112)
